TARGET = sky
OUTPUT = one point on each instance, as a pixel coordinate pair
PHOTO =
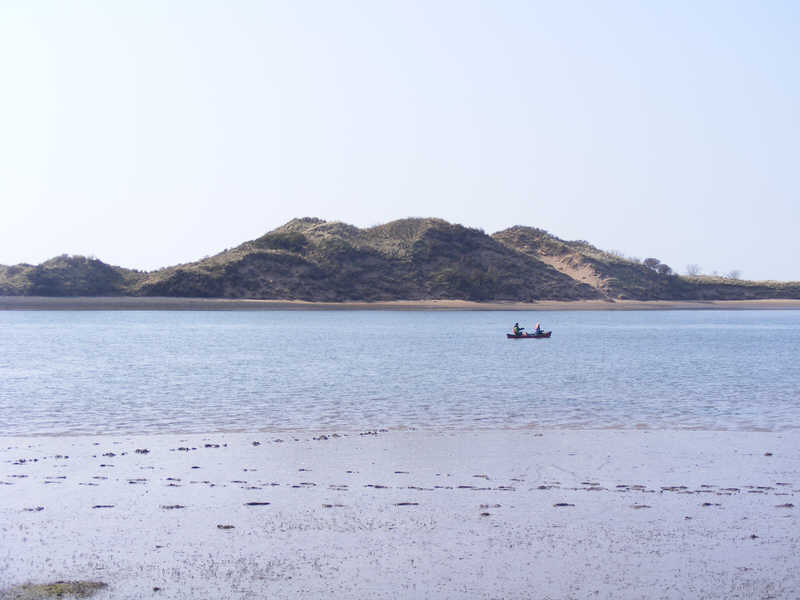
(156, 132)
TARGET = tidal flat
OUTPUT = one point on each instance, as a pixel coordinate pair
(390, 514)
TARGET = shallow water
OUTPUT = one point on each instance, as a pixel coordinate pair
(65, 372)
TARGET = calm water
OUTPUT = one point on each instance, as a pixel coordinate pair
(144, 372)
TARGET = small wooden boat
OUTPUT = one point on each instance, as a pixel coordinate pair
(523, 336)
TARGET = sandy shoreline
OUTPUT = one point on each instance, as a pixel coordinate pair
(404, 514)
(138, 303)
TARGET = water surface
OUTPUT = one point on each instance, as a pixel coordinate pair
(65, 372)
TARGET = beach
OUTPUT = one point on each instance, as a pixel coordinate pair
(518, 513)
(160, 303)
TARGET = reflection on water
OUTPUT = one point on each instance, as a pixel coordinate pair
(92, 372)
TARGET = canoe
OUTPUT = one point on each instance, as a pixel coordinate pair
(523, 336)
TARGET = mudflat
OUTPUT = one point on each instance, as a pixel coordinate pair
(520, 513)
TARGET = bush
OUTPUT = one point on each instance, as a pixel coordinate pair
(664, 269)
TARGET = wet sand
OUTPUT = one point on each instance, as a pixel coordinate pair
(404, 514)
(138, 303)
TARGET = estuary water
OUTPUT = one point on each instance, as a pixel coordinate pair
(65, 372)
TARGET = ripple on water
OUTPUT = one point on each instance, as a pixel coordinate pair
(137, 372)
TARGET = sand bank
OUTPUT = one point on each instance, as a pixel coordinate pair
(137, 303)
(406, 514)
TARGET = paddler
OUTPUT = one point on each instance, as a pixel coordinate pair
(517, 330)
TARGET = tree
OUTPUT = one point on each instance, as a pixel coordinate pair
(664, 269)
(693, 270)
(734, 274)
(651, 263)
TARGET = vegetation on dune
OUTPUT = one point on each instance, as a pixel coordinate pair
(407, 259)
(67, 276)
(291, 241)
(618, 277)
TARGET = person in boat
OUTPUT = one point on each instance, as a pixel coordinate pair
(517, 330)
(539, 329)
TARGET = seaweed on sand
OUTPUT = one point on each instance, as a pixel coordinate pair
(58, 589)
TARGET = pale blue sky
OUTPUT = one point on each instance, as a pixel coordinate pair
(154, 132)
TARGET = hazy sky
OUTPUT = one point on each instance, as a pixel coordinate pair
(154, 132)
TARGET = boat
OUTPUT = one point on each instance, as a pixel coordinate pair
(522, 336)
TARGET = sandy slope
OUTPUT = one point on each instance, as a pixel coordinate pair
(406, 514)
